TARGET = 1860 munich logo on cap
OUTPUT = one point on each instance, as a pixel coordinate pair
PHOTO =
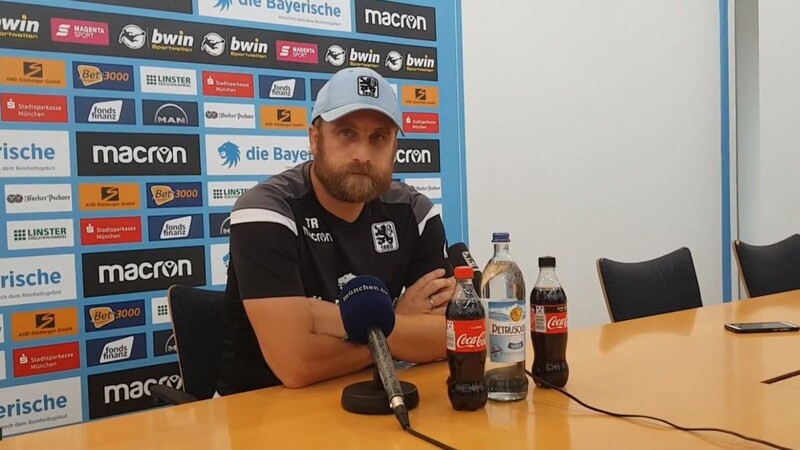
(368, 86)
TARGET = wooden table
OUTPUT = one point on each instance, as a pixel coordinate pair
(683, 367)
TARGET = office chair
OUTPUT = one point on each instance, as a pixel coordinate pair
(197, 324)
(769, 269)
(661, 285)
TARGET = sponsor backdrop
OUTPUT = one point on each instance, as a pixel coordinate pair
(128, 128)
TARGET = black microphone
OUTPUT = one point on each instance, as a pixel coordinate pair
(368, 318)
(459, 255)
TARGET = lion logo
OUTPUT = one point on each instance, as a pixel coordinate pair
(230, 154)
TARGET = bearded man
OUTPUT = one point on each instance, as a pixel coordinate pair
(299, 236)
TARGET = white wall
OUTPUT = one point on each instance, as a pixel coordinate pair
(769, 208)
(592, 129)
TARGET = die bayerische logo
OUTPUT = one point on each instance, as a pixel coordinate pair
(223, 5)
(230, 154)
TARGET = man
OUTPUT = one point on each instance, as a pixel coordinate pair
(298, 237)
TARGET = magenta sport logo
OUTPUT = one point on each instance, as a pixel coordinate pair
(78, 31)
(299, 52)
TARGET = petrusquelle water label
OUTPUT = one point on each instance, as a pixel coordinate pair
(506, 327)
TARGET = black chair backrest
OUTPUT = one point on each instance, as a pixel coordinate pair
(197, 324)
(665, 284)
(769, 269)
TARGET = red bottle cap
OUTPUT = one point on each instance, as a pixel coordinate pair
(463, 273)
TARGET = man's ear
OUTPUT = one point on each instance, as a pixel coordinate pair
(313, 138)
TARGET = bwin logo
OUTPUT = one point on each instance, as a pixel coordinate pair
(223, 5)
(213, 44)
(144, 271)
(230, 154)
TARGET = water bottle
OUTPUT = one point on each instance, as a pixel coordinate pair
(503, 290)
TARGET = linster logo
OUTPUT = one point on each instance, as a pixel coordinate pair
(138, 154)
(417, 156)
(396, 19)
(142, 270)
(169, 113)
(129, 390)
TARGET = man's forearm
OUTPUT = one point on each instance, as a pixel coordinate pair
(419, 338)
(325, 357)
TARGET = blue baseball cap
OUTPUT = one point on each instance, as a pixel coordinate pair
(356, 89)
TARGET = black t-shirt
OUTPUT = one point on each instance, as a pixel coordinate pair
(284, 243)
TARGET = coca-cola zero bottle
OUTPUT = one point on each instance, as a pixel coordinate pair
(549, 326)
(466, 344)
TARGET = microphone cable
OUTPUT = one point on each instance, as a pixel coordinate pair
(641, 416)
(428, 439)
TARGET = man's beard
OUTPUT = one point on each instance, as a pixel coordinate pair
(355, 183)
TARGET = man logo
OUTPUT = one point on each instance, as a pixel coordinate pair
(285, 115)
(171, 114)
(394, 61)
(33, 69)
(109, 193)
(162, 194)
(421, 94)
(368, 87)
(45, 321)
(213, 44)
(335, 55)
(132, 36)
(225, 228)
(171, 346)
(230, 154)
(223, 5)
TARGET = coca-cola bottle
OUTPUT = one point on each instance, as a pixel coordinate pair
(466, 344)
(549, 327)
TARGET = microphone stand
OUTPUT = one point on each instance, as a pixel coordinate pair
(368, 397)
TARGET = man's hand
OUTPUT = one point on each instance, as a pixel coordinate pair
(428, 295)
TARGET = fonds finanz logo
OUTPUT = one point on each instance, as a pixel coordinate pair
(113, 273)
(138, 154)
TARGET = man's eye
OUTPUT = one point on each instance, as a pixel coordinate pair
(347, 132)
(378, 137)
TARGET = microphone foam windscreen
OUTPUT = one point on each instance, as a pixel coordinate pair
(364, 302)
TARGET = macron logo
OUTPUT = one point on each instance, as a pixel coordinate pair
(283, 88)
(118, 350)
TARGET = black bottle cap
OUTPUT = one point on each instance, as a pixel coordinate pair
(547, 261)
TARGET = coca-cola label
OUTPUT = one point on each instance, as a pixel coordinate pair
(466, 335)
(550, 319)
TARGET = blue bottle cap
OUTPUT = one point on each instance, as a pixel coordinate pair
(501, 237)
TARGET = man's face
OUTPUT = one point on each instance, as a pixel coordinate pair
(354, 155)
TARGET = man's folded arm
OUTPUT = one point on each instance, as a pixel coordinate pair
(296, 354)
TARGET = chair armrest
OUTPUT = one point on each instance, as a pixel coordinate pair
(167, 394)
